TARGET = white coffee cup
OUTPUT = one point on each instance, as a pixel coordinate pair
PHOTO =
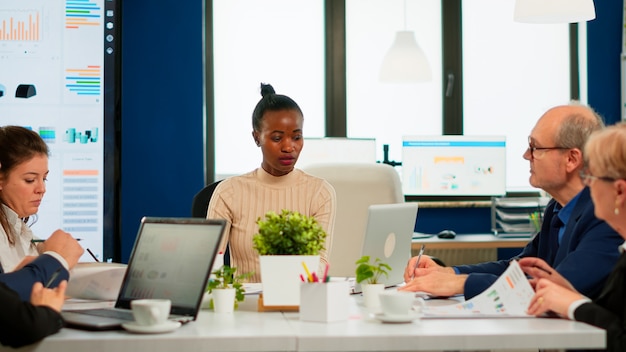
(151, 311)
(397, 303)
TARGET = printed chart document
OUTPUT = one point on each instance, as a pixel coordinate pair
(508, 297)
(97, 281)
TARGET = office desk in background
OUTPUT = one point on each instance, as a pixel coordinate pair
(467, 248)
(246, 330)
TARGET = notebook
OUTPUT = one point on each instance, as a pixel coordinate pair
(388, 236)
(172, 258)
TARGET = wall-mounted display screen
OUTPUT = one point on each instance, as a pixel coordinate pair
(58, 77)
(454, 165)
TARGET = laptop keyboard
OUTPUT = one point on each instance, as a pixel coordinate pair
(108, 313)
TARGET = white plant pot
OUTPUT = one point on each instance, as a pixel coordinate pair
(223, 300)
(280, 276)
(206, 300)
(370, 296)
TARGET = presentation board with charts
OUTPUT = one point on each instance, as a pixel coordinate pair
(60, 77)
(454, 165)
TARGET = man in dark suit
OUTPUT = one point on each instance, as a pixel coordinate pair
(571, 237)
(61, 252)
(23, 323)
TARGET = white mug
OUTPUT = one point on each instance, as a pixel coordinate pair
(151, 311)
(396, 303)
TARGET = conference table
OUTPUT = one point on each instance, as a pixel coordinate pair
(249, 330)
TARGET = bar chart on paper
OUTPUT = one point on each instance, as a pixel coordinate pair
(508, 297)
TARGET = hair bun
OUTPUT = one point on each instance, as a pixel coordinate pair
(267, 89)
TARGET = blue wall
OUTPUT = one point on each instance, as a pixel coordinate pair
(604, 45)
(162, 103)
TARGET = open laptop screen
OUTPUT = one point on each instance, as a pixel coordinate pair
(171, 261)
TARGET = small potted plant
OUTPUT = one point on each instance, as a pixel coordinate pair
(368, 275)
(227, 289)
(287, 242)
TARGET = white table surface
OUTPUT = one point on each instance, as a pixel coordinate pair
(247, 330)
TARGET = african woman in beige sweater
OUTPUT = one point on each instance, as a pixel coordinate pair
(277, 129)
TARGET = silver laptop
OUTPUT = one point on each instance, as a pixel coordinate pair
(388, 236)
(172, 258)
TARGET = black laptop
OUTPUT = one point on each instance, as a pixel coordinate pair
(172, 259)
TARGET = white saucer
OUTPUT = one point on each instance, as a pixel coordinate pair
(397, 318)
(152, 329)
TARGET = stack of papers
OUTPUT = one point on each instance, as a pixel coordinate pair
(508, 297)
(99, 281)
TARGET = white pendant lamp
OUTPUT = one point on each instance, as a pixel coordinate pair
(405, 61)
(554, 11)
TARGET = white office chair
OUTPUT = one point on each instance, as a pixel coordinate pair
(358, 185)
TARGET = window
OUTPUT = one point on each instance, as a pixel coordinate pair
(511, 72)
(280, 42)
(511, 76)
(386, 111)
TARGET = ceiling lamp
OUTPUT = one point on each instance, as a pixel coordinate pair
(405, 62)
(554, 11)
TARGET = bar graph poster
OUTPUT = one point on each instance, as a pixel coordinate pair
(53, 66)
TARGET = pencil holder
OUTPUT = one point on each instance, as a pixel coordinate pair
(324, 302)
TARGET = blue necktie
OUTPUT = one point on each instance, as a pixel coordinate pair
(555, 227)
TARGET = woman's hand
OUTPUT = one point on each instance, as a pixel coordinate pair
(539, 269)
(551, 297)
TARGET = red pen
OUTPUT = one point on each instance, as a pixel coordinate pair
(314, 275)
(325, 277)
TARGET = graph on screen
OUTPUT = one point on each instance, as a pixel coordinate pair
(454, 165)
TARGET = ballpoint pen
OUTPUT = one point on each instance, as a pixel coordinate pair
(419, 257)
(41, 240)
(53, 277)
(92, 255)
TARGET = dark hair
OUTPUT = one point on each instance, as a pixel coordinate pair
(271, 102)
(17, 145)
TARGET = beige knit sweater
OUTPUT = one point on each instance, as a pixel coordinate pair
(241, 200)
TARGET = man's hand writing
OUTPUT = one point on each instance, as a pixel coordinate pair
(426, 262)
(436, 282)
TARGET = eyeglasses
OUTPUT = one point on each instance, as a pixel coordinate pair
(588, 178)
(532, 149)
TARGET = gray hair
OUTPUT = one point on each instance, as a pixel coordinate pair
(578, 126)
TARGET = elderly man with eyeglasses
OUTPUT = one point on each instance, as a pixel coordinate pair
(572, 240)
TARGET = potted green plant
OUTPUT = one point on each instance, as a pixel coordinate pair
(287, 243)
(227, 289)
(371, 272)
(368, 275)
